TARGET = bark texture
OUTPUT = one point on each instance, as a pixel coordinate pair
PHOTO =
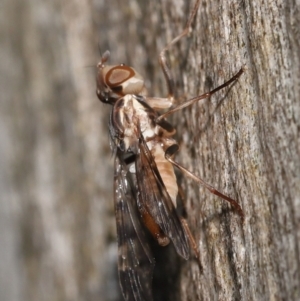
(57, 227)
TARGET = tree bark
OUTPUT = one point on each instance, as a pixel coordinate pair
(57, 227)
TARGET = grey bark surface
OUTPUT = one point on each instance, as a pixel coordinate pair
(57, 228)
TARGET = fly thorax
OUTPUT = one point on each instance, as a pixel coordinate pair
(131, 119)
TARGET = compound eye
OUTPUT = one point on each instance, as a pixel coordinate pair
(116, 76)
(124, 80)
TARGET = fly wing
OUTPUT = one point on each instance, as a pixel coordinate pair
(155, 198)
(135, 261)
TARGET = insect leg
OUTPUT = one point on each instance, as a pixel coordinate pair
(171, 151)
(162, 57)
(193, 100)
(192, 242)
(159, 103)
(188, 230)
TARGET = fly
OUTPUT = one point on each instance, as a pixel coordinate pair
(145, 186)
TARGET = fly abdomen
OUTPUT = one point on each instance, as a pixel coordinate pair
(165, 169)
(154, 228)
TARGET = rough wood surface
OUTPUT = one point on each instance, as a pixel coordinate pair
(56, 214)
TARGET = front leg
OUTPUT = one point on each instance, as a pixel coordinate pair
(162, 57)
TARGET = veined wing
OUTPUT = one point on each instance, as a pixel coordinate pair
(155, 198)
(135, 262)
